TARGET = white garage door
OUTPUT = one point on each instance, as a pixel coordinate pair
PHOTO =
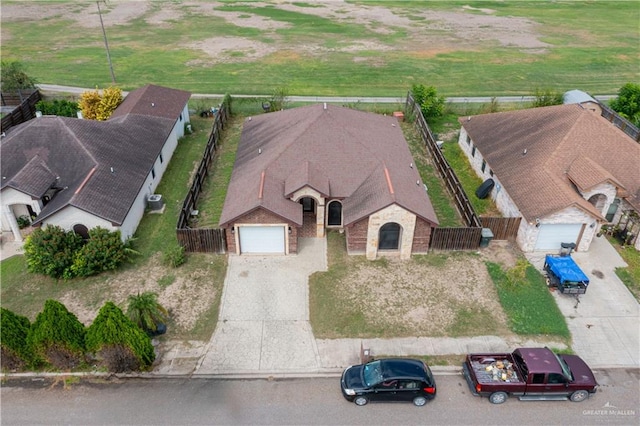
(262, 239)
(551, 236)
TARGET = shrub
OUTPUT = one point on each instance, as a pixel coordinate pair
(114, 338)
(57, 336)
(430, 103)
(23, 221)
(59, 107)
(546, 97)
(111, 98)
(88, 103)
(174, 256)
(51, 251)
(146, 312)
(15, 351)
(103, 251)
(13, 77)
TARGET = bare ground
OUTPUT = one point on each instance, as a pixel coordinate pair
(429, 31)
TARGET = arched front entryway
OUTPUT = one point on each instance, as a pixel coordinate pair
(598, 201)
(309, 218)
(334, 217)
(389, 237)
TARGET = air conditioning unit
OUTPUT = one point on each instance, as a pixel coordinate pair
(155, 202)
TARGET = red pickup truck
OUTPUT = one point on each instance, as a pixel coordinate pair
(529, 374)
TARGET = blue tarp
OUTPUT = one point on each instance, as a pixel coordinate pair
(566, 269)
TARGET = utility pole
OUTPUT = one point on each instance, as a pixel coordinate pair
(106, 44)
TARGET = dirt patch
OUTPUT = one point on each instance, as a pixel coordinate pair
(434, 296)
(190, 293)
(439, 30)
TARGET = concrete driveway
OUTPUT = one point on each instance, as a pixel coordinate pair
(605, 321)
(263, 324)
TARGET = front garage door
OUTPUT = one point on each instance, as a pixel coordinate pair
(551, 236)
(262, 239)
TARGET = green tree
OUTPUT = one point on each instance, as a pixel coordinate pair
(119, 344)
(430, 103)
(14, 77)
(145, 311)
(57, 336)
(51, 251)
(14, 351)
(627, 104)
(546, 97)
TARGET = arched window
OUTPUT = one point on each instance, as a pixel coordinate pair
(81, 230)
(335, 213)
(389, 237)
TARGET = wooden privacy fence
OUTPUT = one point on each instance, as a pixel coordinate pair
(620, 122)
(455, 238)
(503, 228)
(25, 110)
(469, 238)
(203, 239)
(453, 184)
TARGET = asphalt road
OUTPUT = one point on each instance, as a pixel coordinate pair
(314, 401)
(331, 99)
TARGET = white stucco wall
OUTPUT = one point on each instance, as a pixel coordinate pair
(392, 213)
(70, 216)
(528, 232)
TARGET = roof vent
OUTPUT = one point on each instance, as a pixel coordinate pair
(153, 104)
(524, 152)
(325, 106)
(38, 114)
(259, 150)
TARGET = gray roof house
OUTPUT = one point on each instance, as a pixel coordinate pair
(301, 171)
(79, 174)
(564, 169)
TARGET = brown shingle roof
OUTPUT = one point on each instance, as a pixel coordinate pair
(338, 151)
(82, 154)
(532, 152)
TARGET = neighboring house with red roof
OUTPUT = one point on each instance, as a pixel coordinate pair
(301, 171)
(80, 174)
(564, 169)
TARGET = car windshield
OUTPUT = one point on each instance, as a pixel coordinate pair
(565, 368)
(372, 373)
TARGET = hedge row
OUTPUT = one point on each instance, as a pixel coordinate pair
(57, 339)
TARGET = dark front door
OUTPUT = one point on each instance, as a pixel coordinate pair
(389, 237)
(308, 205)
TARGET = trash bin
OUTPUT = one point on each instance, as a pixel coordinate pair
(485, 237)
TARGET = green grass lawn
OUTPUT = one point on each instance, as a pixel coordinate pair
(591, 45)
(529, 305)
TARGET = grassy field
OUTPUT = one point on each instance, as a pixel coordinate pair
(331, 49)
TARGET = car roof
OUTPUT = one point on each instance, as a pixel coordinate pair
(403, 367)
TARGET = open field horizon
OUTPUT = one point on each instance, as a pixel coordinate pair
(329, 47)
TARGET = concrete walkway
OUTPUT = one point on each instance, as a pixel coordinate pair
(605, 321)
(264, 331)
(8, 246)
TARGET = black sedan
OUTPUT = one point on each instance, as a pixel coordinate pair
(392, 379)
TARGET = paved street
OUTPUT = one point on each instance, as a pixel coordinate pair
(298, 402)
